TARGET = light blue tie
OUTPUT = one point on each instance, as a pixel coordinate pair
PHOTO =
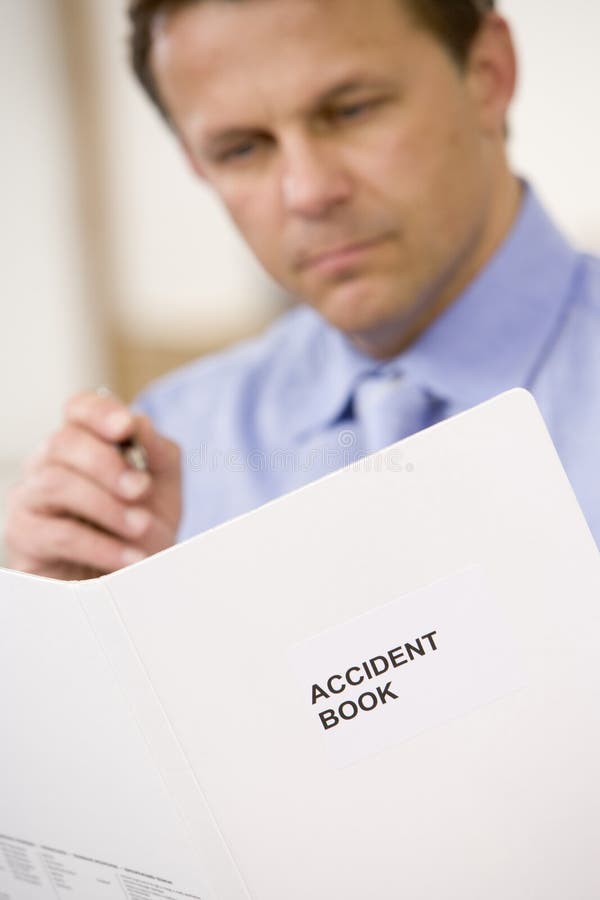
(386, 408)
(389, 406)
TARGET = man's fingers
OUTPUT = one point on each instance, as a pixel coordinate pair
(163, 455)
(81, 508)
(62, 570)
(57, 490)
(78, 449)
(104, 415)
(55, 539)
(109, 419)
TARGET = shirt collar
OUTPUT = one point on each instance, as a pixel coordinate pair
(494, 336)
(490, 339)
(317, 377)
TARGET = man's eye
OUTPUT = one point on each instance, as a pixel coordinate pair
(353, 110)
(240, 151)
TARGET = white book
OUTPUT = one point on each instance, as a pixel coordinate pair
(385, 684)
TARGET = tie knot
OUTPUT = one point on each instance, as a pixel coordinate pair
(389, 406)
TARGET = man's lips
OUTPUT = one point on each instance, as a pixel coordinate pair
(340, 257)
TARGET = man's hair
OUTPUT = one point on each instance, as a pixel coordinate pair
(455, 23)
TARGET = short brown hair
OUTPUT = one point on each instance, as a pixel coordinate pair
(454, 22)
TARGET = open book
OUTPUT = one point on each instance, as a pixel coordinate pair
(385, 684)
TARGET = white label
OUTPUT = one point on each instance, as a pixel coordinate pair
(428, 657)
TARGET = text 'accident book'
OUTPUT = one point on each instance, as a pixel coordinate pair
(384, 685)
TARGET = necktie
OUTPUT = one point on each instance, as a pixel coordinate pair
(390, 406)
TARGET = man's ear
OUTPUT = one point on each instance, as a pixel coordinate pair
(492, 73)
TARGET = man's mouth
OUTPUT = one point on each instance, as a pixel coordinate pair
(340, 257)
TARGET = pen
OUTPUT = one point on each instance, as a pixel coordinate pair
(131, 450)
(134, 454)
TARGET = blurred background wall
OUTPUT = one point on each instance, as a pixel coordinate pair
(116, 264)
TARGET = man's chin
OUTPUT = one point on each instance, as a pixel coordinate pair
(375, 327)
(358, 310)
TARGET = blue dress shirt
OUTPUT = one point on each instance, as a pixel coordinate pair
(281, 410)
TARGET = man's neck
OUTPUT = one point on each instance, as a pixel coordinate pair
(394, 338)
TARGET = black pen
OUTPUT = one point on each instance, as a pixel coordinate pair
(134, 454)
(132, 451)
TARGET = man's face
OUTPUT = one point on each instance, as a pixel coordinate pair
(344, 141)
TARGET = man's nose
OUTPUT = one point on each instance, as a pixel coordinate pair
(313, 179)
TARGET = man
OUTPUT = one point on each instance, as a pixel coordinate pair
(360, 150)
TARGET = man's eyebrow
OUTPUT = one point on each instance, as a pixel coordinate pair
(214, 139)
(352, 86)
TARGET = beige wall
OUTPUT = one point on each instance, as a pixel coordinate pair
(555, 122)
(47, 327)
(178, 263)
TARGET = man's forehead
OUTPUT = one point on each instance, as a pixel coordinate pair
(237, 51)
(202, 34)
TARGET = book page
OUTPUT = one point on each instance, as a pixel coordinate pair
(84, 812)
(217, 862)
(386, 683)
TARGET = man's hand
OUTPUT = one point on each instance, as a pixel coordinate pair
(80, 510)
